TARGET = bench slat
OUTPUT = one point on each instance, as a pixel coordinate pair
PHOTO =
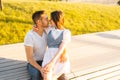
(13, 71)
(108, 75)
(116, 77)
(16, 77)
(12, 67)
(14, 74)
(10, 63)
(5, 60)
(100, 72)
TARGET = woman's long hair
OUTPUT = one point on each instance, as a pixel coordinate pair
(58, 18)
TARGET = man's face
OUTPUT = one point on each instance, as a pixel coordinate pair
(45, 20)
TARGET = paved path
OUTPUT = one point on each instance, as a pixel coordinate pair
(112, 2)
(87, 52)
(91, 50)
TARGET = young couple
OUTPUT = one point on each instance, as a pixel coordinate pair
(45, 47)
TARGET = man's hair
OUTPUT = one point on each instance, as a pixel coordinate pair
(37, 15)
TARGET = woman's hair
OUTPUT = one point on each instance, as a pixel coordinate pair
(58, 18)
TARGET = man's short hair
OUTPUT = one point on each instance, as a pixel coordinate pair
(37, 15)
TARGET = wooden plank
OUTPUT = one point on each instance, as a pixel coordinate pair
(1, 58)
(14, 74)
(5, 60)
(11, 63)
(95, 69)
(99, 73)
(16, 77)
(103, 77)
(12, 67)
(116, 77)
(13, 70)
(24, 77)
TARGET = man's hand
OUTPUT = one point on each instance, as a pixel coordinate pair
(42, 72)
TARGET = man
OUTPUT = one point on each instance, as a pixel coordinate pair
(35, 46)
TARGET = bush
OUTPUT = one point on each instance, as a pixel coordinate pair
(15, 19)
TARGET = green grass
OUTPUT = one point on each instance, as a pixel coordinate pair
(15, 19)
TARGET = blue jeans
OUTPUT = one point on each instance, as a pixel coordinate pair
(34, 73)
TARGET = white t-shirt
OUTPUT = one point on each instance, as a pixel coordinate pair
(39, 44)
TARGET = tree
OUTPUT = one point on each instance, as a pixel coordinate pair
(0, 4)
(66, 0)
(54, 0)
(118, 2)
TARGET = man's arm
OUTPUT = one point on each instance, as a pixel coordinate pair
(29, 53)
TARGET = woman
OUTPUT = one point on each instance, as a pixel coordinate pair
(56, 60)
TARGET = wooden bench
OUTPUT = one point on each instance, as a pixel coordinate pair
(16, 70)
(13, 70)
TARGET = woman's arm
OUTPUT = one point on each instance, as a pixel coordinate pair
(65, 41)
(58, 54)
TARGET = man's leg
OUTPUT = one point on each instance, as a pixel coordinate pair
(34, 73)
(62, 77)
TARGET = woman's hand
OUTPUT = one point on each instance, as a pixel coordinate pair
(48, 67)
(35, 28)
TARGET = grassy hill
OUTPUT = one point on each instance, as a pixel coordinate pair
(15, 19)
